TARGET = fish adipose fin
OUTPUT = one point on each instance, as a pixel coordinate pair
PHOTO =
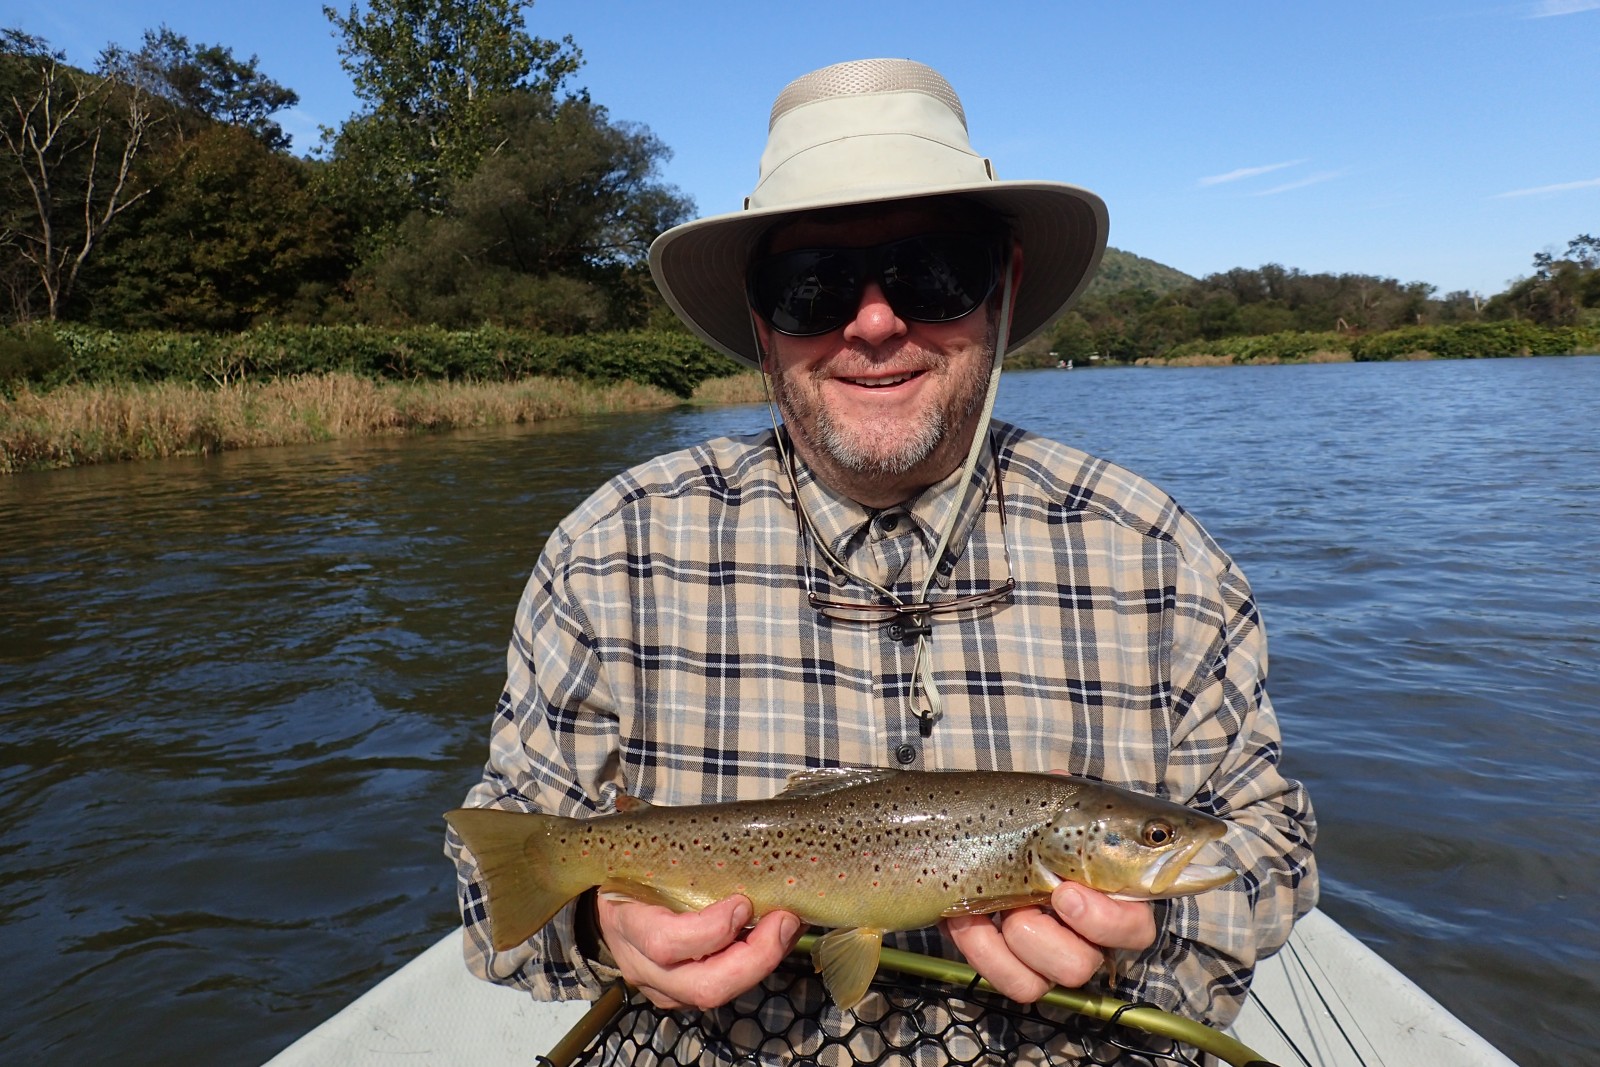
(847, 960)
(517, 854)
(990, 905)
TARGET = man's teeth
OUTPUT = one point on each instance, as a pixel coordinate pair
(879, 383)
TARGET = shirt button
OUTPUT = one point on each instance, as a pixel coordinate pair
(906, 754)
(895, 631)
(888, 523)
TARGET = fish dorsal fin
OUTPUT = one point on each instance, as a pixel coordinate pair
(627, 805)
(820, 780)
(847, 960)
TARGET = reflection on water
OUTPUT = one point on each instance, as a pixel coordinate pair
(237, 692)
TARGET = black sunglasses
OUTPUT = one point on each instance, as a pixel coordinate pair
(935, 277)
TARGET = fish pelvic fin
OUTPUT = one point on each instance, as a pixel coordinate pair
(847, 960)
(527, 878)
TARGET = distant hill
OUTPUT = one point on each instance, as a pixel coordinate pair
(1121, 270)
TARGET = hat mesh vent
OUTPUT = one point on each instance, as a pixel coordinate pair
(867, 76)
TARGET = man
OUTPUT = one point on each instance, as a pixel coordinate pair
(889, 579)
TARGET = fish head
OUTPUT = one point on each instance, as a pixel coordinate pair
(1128, 845)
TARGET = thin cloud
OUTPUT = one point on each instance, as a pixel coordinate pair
(1563, 187)
(1252, 172)
(1315, 179)
(1545, 9)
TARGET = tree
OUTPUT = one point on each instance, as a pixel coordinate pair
(205, 80)
(430, 72)
(552, 231)
(233, 235)
(70, 141)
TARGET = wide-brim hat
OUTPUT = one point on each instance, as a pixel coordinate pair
(867, 132)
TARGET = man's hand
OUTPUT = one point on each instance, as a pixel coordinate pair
(696, 959)
(1031, 949)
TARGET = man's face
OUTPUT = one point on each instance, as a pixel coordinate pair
(882, 406)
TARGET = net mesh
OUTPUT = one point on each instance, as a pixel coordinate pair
(867, 76)
(904, 1022)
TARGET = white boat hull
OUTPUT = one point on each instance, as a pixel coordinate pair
(1326, 1000)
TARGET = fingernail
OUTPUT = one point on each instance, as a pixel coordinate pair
(1068, 901)
(789, 928)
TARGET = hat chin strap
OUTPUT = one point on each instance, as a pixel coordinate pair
(922, 668)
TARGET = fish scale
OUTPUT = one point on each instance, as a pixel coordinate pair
(860, 851)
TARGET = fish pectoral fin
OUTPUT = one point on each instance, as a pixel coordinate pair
(847, 960)
(990, 905)
(645, 894)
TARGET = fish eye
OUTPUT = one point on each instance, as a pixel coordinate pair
(1157, 832)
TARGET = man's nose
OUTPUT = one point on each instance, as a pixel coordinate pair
(875, 321)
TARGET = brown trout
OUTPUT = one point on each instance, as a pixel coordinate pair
(860, 851)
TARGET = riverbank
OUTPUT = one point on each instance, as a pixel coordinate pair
(76, 425)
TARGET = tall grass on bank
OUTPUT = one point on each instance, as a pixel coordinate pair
(81, 424)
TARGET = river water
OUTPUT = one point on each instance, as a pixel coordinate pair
(236, 692)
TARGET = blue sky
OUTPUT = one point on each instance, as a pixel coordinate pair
(1425, 140)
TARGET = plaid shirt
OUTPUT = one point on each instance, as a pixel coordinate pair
(665, 646)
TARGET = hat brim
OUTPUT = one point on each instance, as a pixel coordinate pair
(700, 266)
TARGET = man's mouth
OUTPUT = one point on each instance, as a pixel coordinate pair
(881, 383)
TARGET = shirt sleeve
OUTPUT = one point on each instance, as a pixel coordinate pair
(552, 749)
(1223, 759)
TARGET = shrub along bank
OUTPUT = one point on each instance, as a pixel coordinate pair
(1475, 340)
(48, 357)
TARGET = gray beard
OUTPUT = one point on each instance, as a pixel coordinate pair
(869, 451)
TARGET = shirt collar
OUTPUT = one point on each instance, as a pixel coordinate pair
(847, 526)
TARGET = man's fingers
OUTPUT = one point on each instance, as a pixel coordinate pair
(985, 948)
(665, 937)
(695, 959)
(1102, 921)
(1050, 951)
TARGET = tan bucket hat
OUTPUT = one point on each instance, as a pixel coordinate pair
(873, 131)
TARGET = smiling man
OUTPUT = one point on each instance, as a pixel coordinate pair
(889, 577)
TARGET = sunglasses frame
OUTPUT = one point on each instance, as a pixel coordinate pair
(868, 262)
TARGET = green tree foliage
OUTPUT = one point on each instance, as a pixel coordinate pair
(232, 235)
(1142, 323)
(1563, 291)
(430, 72)
(1121, 270)
(204, 82)
(551, 231)
(68, 145)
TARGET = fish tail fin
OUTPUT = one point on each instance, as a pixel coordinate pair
(847, 961)
(526, 879)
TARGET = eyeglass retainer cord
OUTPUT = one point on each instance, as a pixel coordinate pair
(922, 669)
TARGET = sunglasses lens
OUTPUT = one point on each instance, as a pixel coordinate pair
(930, 278)
(808, 291)
(938, 278)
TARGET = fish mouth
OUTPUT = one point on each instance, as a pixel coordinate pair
(1171, 876)
(1174, 876)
